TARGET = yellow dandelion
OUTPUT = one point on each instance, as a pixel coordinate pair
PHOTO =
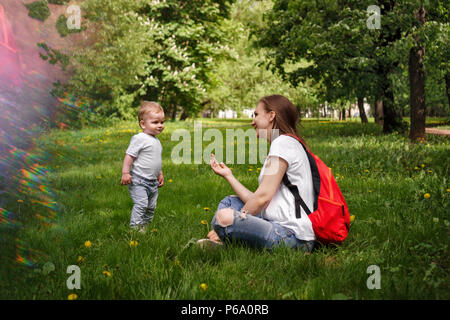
(352, 218)
(170, 180)
(204, 222)
(87, 244)
(20, 200)
(426, 195)
(155, 230)
(250, 169)
(133, 243)
(448, 190)
(206, 209)
(80, 259)
(367, 171)
(72, 296)
(422, 165)
(416, 168)
(204, 286)
(107, 273)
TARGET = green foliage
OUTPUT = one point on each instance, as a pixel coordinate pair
(61, 26)
(242, 79)
(152, 50)
(53, 56)
(347, 59)
(38, 10)
(58, 1)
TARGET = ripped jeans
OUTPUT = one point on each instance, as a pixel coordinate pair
(254, 230)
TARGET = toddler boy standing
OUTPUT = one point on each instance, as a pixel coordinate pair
(141, 169)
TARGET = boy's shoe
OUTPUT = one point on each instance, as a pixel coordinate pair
(209, 244)
(139, 228)
(143, 229)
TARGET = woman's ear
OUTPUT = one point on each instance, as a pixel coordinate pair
(272, 115)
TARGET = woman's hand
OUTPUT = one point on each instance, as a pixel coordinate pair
(219, 168)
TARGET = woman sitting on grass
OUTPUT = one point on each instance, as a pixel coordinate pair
(266, 218)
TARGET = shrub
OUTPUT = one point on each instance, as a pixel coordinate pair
(38, 10)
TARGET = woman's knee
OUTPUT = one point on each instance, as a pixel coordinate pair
(225, 217)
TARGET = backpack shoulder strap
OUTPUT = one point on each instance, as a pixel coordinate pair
(298, 199)
(315, 179)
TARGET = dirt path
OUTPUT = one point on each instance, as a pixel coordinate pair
(437, 131)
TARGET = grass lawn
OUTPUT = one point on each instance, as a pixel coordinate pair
(399, 194)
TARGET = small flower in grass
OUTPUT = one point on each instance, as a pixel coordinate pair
(366, 171)
(20, 200)
(87, 244)
(422, 165)
(72, 296)
(204, 286)
(204, 222)
(107, 273)
(426, 195)
(155, 230)
(133, 243)
(80, 259)
(352, 218)
(416, 168)
(206, 209)
(170, 180)
(250, 169)
(448, 190)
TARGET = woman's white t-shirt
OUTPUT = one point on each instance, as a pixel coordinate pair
(281, 208)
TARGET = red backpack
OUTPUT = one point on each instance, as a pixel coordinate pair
(330, 218)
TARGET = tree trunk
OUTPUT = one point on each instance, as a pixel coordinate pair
(362, 112)
(417, 93)
(447, 87)
(392, 118)
(184, 115)
(342, 115)
(416, 70)
(379, 111)
(174, 112)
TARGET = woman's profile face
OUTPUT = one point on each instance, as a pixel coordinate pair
(262, 121)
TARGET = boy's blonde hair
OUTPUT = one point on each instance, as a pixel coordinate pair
(147, 107)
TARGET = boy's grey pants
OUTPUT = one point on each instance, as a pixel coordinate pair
(144, 193)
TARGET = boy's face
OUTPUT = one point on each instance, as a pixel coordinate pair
(153, 123)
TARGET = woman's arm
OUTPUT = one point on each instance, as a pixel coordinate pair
(222, 170)
(273, 175)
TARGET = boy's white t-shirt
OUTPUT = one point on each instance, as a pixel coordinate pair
(147, 150)
(281, 208)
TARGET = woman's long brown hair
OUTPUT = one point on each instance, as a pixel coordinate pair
(286, 114)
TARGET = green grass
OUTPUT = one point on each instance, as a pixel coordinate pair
(383, 178)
